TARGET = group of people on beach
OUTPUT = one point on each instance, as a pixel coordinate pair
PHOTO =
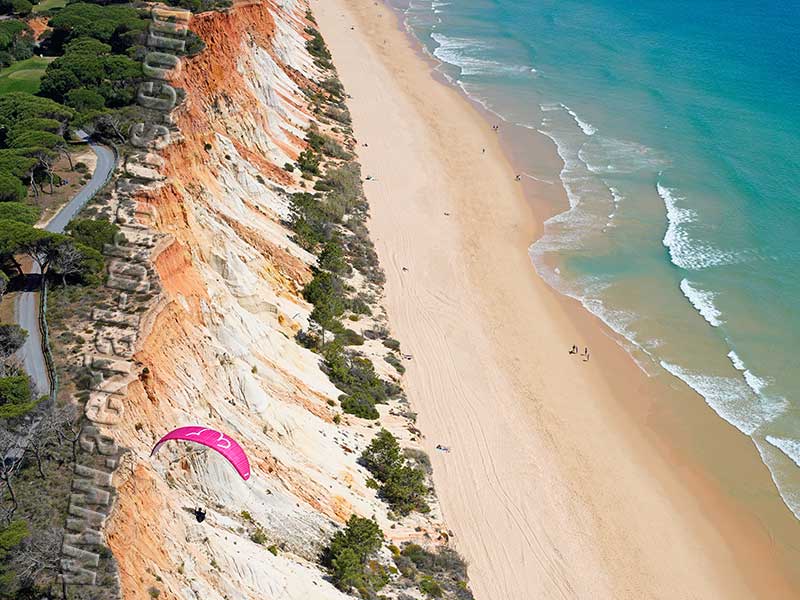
(576, 350)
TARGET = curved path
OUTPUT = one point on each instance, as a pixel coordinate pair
(26, 308)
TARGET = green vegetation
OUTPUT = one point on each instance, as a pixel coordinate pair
(324, 144)
(392, 344)
(16, 42)
(23, 76)
(430, 587)
(120, 26)
(11, 536)
(89, 71)
(48, 5)
(197, 6)
(94, 233)
(56, 255)
(31, 139)
(402, 484)
(318, 49)
(437, 574)
(395, 362)
(259, 537)
(356, 376)
(348, 552)
(16, 396)
(16, 211)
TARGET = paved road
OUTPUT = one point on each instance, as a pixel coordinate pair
(26, 309)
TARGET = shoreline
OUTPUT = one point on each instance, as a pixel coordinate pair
(529, 489)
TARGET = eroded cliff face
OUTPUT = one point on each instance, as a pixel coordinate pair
(218, 348)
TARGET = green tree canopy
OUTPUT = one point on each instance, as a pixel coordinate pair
(88, 63)
(382, 456)
(15, 7)
(19, 238)
(12, 337)
(36, 124)
(10, 30)
(405, 490)
(11, 188)
(119, 26)
(362, 536)
(16, 211)
(15, 390)
(84, 99)
(95, 233)
(73, 259)
(35, 139)
(17, 106)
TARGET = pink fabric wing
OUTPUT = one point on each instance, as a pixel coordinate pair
(213, 439)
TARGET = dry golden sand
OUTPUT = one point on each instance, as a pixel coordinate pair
(553, 488)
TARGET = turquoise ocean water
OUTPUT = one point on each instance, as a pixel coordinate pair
(678, 125)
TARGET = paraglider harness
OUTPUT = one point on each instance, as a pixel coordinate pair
(199, 514)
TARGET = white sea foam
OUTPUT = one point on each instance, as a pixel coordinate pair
(683, 250)
(737, 362)
(586, 128)
(616, 198)
(756, 383)
(789, 447)
(730, 398)
(703, 301)
(604, 155)
(461, 52)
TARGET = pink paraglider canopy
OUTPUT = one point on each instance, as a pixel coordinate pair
(213, 439)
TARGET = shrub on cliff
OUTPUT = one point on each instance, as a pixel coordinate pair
(95, 233)
(326, 145)
(316, 47)
(332, 258)
(430, 587)
(349, 550)
(308, 162)
(326, 292)
(334, 87)
(405, 490)
(382, 455)
(395, 362)
(359, 405)
(402, 484)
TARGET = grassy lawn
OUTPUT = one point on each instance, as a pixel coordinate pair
(23, 76)
(48, 5)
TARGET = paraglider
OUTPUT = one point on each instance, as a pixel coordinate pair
(213, 439)
(199, 514)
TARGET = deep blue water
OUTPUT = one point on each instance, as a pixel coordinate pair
(678, 125)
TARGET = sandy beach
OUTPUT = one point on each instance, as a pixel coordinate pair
(556, 485)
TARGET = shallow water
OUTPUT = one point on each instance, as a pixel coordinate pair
(678, 126)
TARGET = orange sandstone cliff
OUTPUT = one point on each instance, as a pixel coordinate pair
(218, 347)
